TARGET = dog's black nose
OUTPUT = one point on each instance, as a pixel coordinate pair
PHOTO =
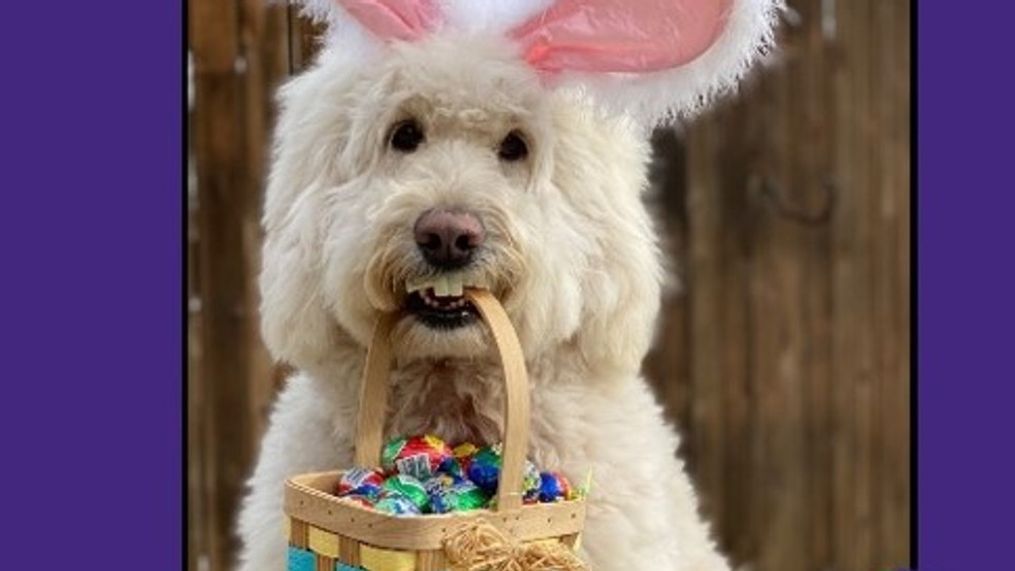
(448, 238)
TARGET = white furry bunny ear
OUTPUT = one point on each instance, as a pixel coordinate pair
(385, 20)
(405, 20)
(655, 59)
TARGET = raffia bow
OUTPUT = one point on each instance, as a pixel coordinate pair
(482, 547)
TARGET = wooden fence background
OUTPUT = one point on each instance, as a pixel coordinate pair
(784, 360)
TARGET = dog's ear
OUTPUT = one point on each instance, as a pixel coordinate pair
(309, 142)
(656, 60)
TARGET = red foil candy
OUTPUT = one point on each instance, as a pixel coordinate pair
(360, 480)
(418, 456)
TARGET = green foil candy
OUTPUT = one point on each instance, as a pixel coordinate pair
(468, 496)
(462, 496)
(409, 487)
(391, 451)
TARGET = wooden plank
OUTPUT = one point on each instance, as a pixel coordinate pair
(896, 397)
(348, 551)
(325, 563)
(431, 560)
(241, 54)
(213, 35)
(196, 532)
(707, 438)
(853, 340)
(816, 139)
(264, 39)
(790, 304)
(299, 533)
(773, 289)
(668, 365)
(891, 301)
(216, 137)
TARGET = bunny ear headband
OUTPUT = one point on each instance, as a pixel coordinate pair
(657, 60)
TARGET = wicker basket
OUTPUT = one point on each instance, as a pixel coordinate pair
(326, 534)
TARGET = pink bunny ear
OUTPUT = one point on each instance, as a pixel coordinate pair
(406, 20)
(621, 35)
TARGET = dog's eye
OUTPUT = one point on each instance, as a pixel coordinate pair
(513, 147)
(406, 136)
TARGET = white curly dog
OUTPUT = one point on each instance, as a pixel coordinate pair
(436, 161)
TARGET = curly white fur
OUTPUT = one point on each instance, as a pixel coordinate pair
(570, 250)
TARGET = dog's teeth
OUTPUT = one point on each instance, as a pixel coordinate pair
(441, 286)
(449, 285)
(454, 285)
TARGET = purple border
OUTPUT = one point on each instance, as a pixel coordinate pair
(91, 287)
(966, 209)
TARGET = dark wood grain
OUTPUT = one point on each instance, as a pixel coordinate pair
(223, 285)
(239, 56)
(796, 409)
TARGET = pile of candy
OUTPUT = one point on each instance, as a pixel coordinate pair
(423, 475)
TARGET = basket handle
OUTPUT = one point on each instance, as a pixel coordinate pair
(375, 388)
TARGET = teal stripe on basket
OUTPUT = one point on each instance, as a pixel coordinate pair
(301, 559)
(339, 566)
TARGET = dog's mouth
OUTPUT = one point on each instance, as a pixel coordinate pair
(439, 301)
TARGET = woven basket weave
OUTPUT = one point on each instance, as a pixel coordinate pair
(326, 534)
